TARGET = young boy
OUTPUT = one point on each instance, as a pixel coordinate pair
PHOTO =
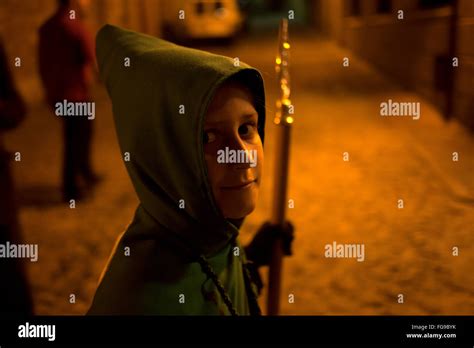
(190, 126)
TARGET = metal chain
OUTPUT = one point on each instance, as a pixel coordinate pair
(207, 269)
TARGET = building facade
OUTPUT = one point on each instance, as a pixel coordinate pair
(424, 45)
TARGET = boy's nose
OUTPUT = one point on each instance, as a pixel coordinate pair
(237, 144)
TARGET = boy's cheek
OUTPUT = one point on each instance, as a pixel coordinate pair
(258, 149)
(210, 150)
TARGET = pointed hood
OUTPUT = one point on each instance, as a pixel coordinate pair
(160, 93)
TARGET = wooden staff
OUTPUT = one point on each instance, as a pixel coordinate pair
(283, 121)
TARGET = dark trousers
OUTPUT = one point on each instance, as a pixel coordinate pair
(77, 148)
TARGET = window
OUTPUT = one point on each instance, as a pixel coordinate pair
(353, 8)
(428, 4)
(199, 8)
(384, 6)
(218, 6)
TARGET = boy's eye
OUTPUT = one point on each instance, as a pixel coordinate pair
(209, 137)
(247, 129)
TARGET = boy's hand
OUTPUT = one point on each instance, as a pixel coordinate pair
(260, 248)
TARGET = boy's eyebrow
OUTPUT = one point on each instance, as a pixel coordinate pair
(248, 116)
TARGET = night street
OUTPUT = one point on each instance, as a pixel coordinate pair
(343, 198)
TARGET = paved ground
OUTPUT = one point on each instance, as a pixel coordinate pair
(407, 251)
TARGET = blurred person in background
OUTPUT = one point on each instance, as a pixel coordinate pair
(15, 297)
(66, 61)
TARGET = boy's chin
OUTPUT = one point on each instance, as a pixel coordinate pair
(239, 204)
(237, 211)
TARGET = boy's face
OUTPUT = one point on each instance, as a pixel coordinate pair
(233, 150)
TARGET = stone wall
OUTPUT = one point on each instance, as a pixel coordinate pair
(411, 51)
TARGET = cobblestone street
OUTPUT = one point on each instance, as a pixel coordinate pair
(408, 251)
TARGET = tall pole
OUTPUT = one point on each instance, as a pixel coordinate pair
(283, 120)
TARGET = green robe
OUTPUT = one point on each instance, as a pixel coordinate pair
(160, 93)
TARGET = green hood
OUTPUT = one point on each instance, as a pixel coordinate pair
(150, 82)
(166, 148)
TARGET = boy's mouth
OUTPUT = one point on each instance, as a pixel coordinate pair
(240, 186)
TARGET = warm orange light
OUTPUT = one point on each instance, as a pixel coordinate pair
(278, 60)
(286, 45)
(289, 119)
